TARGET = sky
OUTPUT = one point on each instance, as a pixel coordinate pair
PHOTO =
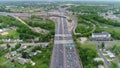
(60, 0)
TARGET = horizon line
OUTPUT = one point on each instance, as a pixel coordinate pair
(63, 1)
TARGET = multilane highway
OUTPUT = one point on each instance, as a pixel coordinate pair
(64, 53)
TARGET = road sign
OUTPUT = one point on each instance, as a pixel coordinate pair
(69, 44)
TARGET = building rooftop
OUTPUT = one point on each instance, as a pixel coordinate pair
(103, 36)
(23, 61)
(102, 33)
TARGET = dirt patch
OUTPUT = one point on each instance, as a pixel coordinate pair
(4, 33)
(82, 40)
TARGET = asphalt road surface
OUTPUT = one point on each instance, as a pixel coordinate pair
(64, 53)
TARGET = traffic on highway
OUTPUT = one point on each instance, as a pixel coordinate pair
(64, 52)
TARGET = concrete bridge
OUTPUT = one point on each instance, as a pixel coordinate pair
(55, 15)
(20, 14)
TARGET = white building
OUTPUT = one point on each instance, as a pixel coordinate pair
(103, 36)
(99, 35)
(110, 54)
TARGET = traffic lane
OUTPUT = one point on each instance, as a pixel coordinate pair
(59, 30)
(58, 56)
(58, 38)
(68, 38)
(57, 26)
(66, 30)
(72, 61)
(60, 27)
(58, 48)
(57, 60)
(65, 26)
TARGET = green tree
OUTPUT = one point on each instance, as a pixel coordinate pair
(25, 55)
(8, 46)
(102, 45)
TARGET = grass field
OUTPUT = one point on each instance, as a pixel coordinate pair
(114, 65)
(89, 45)
(11, 34)
(117, 43)
(2, 59)
(110, 28)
